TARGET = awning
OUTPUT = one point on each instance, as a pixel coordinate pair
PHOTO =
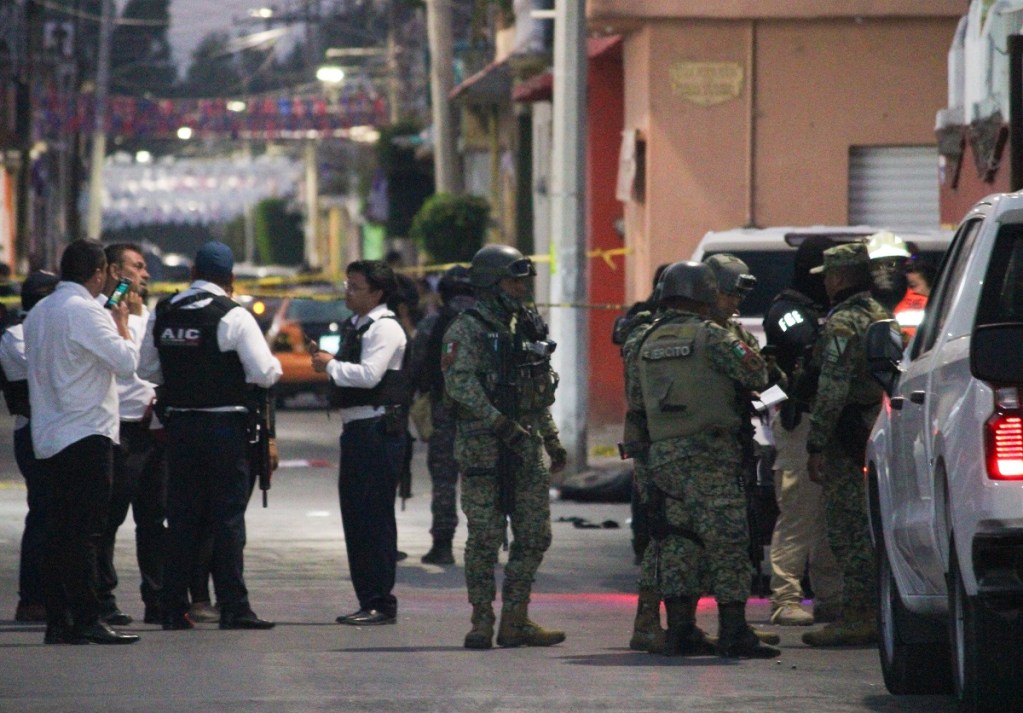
(539, 88)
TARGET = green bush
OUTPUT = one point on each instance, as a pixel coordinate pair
(451, 228)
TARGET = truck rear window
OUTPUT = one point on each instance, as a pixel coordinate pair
(1002, 297)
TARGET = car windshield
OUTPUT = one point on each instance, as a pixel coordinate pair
(308, 310)
(773, 270)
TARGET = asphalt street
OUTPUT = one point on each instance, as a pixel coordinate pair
(297, 575)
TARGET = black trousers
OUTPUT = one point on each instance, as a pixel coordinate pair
(77, 497)
(208, 487)
(371, 460)
(140, 480)
(33, 540)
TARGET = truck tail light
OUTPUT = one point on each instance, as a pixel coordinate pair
(1004, 445)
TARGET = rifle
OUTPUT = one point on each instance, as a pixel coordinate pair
(761, 507)
(506, 400)
(261, 430)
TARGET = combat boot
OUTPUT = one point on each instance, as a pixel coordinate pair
(517, 630)
(859, 628)
(735, 637)
(647, 633)
(440, 553)
(680, 626)
(482, 634)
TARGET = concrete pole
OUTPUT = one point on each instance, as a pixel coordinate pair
(94, 227)
(569, 325)
(312, 194)
(447, 178)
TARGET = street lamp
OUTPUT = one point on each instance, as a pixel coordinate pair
(330, 74)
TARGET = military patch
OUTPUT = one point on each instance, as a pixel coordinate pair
(447, 358)
(835, 349)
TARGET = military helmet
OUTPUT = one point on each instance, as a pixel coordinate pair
(493, 263)
(454, 281)
(732, 274)
(691, 280)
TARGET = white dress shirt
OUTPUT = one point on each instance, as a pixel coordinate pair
(237, 332)
(12, 359)
(134, 394)
(383, 347)
(74, 352)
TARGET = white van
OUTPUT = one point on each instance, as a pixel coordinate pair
(770, 254)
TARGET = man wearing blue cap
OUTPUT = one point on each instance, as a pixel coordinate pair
(209, 354)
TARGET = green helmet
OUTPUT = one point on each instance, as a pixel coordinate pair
(692, 280)
(492, 263)
(732, 274)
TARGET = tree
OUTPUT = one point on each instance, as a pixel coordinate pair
(141, 62)
(213, 71)
(451, 228)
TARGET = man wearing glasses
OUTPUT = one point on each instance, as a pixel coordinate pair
(371, 393)
(498, 375)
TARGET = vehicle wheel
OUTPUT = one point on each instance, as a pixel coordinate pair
(914, 649)
(986, 650)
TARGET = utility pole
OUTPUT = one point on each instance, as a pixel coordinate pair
(99, 132)
(447, 178)
(569, 324)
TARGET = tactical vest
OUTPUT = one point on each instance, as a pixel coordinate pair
(682, 393)
(394, 388)
(196, 373)
(520, 361)
(16, 395)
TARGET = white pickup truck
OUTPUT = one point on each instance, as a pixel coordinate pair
(944, 471)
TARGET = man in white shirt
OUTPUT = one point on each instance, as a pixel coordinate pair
(140, 474)
(74, 350)
(208, 353)
(367, 370)
(31, 601)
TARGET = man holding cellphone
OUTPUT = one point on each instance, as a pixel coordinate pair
(74, 350)
(140, 475)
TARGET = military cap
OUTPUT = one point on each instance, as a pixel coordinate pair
(847, 255)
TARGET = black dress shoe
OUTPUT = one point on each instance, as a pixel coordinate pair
(369, 617)
(181, 622)
(243, 620)
(116, 618)
(62, 635)
(345, 617)
(101, 633)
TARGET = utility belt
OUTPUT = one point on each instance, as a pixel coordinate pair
(394, 417)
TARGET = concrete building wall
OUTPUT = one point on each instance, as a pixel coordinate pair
(810, 81)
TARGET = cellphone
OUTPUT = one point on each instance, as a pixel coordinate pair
(123, 285)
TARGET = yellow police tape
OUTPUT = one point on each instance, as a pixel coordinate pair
(328, 287)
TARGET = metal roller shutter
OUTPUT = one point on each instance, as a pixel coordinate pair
(893, 186)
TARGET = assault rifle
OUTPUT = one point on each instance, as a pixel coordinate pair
(506, 400)
(761, 506)
(261, 430)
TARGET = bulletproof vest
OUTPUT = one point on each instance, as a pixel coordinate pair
(15, 394)
(394, 389)
(433, 377)
(196, 373)
(522, 363)
(682, 393)
(791, 326)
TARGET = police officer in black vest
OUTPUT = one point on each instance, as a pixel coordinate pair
(209, 354)
(368, 370)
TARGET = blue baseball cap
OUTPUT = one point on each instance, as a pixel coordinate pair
(214, 259)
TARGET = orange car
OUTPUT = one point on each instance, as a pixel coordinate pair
(297, 323)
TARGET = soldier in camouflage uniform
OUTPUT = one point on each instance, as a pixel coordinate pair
(457, 296)
(844, 409)
(497, 448)
(683, 374)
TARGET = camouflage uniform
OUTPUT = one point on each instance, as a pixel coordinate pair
(698, 475)
(469, 364)
(847, 401)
